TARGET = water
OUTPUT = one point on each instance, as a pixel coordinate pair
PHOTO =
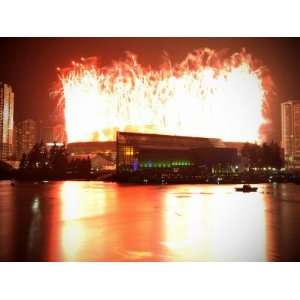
(98, 221)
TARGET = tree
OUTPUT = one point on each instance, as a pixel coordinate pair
(23, 162)
(54, 163)
(266, 155)
(252, 153)
(37, 158)
(6, 170)
(58, 159)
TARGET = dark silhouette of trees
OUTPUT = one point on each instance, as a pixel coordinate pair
(252, 153)
(264, 156)
(6, 170)
(37, 158)
(23, 162)
(52, 163)
(58, 159)
(80, 166)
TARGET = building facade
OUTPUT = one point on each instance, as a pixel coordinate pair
(290, 133)
(156, 157)
(25, 137)
(6, 121)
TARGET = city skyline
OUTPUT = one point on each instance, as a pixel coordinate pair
(177, 126)
(32, 96)
(49, 126)
(205, 120)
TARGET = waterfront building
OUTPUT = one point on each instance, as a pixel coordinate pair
(290, 133)
(25, 137)
(6, 121)
(172, 157)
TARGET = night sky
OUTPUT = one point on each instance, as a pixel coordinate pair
(29, 64)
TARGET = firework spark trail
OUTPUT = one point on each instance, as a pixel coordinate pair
(205, 95)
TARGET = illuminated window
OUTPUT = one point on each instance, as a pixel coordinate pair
(128, 150)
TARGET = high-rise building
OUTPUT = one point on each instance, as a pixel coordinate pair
(290, 133)
(6, 121)
(26, 137)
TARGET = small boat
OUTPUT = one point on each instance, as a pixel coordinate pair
(246, 188)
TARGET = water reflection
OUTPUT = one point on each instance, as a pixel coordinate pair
(186, 224)
(96, 221)
(34, 227)
(215, 225)
(80, 201)
(238, 227)
(6, 221)
(24, 225)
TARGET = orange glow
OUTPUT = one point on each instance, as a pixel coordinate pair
(205, 95)
(234, 234)
(81, 203)
(79, 200)
(208, 224)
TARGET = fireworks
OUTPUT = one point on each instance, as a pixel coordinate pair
(206, 95)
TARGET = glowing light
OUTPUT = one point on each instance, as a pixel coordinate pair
(205, 95)
(52, 144)
(78, 202)
(213, 223)
(35, 205)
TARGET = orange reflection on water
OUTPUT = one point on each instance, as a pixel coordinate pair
(79, 200)
(186, 224)
(6, 221)
(96, 221)
(238, 227)
(214, 224)
(194, 223)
